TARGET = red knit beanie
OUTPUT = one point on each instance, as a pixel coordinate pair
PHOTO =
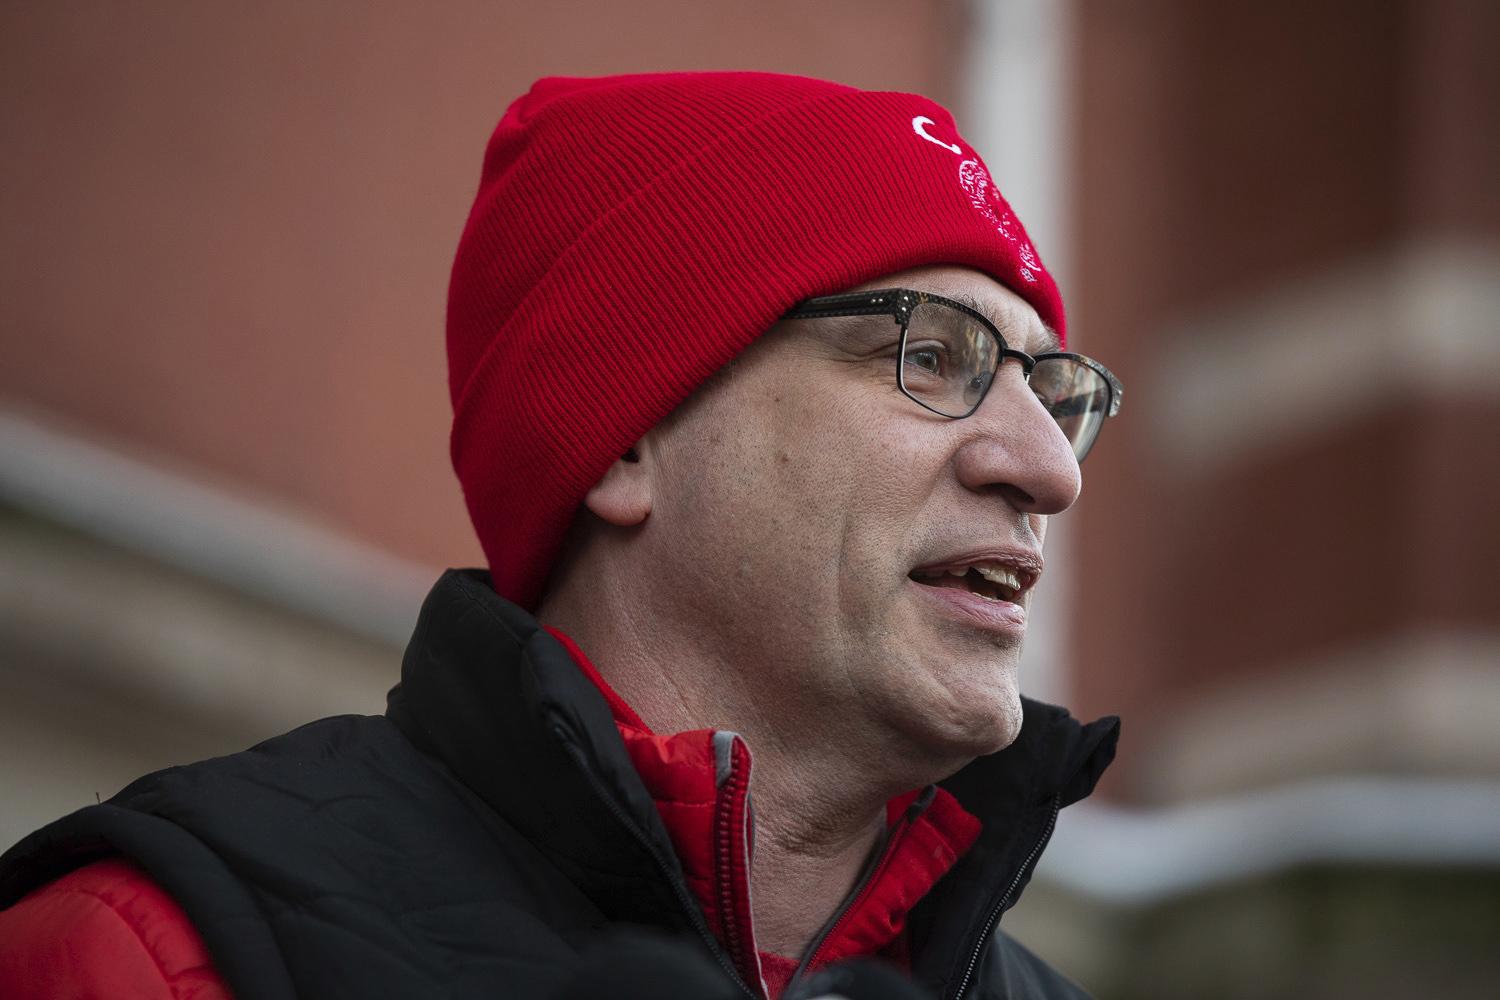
(633, 234)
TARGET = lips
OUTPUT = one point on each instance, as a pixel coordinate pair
(983, 589)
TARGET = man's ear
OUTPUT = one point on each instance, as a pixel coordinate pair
(623, 496)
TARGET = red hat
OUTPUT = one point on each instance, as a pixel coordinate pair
(633, 234)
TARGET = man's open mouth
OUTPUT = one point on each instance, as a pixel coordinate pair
(991, 580)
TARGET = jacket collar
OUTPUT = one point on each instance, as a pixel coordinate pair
(1054, 762)
(483, 683)
(496, 699)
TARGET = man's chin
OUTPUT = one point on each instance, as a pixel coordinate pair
(977, 726)
(1001, 733)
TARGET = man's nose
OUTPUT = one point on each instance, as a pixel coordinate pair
(1013, 447)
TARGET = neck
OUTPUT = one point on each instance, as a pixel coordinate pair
(813, 841)
(819, 791)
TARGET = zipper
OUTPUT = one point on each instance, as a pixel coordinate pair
(732, 794)
(867, 879)
(994, 917)
(664, 868)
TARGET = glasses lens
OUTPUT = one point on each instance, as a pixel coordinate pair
(947, 359)
(1075, 395)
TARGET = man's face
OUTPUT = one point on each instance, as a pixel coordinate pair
(812, 531)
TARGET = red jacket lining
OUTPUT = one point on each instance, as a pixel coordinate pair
(710, 829)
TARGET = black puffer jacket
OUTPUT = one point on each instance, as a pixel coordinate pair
(489, 837)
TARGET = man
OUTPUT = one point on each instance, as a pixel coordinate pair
(740, 366)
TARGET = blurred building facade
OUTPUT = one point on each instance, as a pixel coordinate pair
(223, 419)
(1285, 232)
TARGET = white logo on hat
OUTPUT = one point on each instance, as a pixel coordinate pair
(976, 182)
(919, 125)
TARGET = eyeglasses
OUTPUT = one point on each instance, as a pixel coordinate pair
(949, 354)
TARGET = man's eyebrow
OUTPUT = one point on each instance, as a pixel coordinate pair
(1046, 343)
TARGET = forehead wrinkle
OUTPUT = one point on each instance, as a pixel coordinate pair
(1045, 343)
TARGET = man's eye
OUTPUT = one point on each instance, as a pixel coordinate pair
(928, 359)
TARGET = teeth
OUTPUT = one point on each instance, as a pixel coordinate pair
(1007, 579)
(1000, 576)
